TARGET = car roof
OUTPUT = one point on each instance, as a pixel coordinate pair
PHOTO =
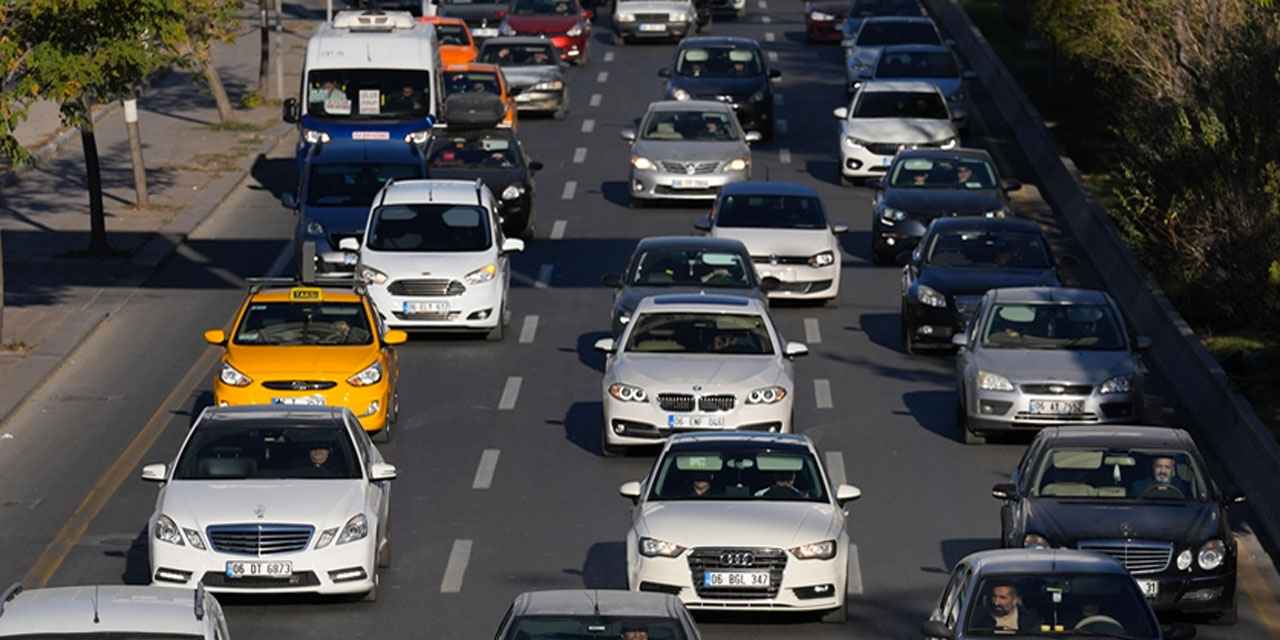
(682, 440)
(119, 608)
(688, 105)
(501, 40)
(1117, 435)
(961, 153)
(428, 191)
(267, 415)
(886, 86)
(691, 242)
(762, 188)
(1033, 295)
(700, 303)
(610, 602)
(1043, 562)
(718, 41)
(348, 150)
(982, 223)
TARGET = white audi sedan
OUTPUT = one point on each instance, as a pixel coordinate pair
(886, 116)
(696, 362)
(741, 521)
(265, 498)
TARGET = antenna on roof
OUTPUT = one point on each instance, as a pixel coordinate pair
(95, 605)
(595, 602)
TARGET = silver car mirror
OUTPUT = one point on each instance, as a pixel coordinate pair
(847, 493)
(630, 490)
(155, 472)
(381, 471)
(628, 134)
(604, 344)
(841, 112)
(512, 245)
(796, 349)
(753, 136)
(349, 244)
(959, 340)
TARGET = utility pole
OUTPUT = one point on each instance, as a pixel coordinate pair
(264, 62)
(279, 54)
(135, 149)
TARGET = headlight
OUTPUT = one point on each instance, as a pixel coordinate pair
(766, 395)
(930, 297)
(167, 531)
(628, 393)
(854, 142)
(193, 538)
(355, 529)
(824, 17)
(736, 164)
(757, 96)
(230, 375)
(650, 547)
(367, 376)
(312, 228)
(950, 143)
(1034, 541)
(642, 163)
(680, 94)
(505, 29)
(549, 85)
(512, 192)
(1117, 384)
(369, 275)
(956, 97)
(483, 274)
(892, 215)
(1211, 555)
(681, 17)
(417, 137)
(574, 31)
(988, 381)
(823, 259)
(311, 136)
(996, 213)
(625, 17)
(1184, 560)
(824, 550)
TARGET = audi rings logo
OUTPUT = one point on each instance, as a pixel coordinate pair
(737, 558)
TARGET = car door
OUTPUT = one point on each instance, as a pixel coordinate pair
(964, 355)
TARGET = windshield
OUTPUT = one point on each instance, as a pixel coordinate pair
(298, 323)
(242, 451)
(942, 173)
(872, 8)
(1052, 326)
(691, 333)
(998, 249)
(368, 94)
(518, 55)
(1116, 474)
(429, 228)
(472, 152)
(718, 62)
(456, 82)
(900, 104)
(770, 212)
(917, 64)
(352, 185)
(104, 635)
(691, 268)
(693, 126)
(593, 628)
(542, 8)
(1058, 604)
(875, 33)
(745, 473)
(453, 34)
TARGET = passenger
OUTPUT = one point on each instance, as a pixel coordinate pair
(318, 464)
(407, 100)
(711, 130)
(784, 487)
(964, 175)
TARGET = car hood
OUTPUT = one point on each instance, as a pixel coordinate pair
(653, 6)
(339, 219)
(901, 130)
(736, 373)
(1060, 365)
(409, 264)
(934, 202)
(755, 523)
(1066, 522)
(739, 88)
(631, 296)
(683, 150)
(783, 242)
(519, 77)
(320, 503)
(474, 13)
(495, 179)
(964, 281)
(306, 362)
(542, 24)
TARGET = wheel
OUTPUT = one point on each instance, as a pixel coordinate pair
(607, 450)
(832, 302)
(393, 412)
(909, 341)
(882, 257)
(383, 435)
(585, 57)
(636, 203)
(846, 181)
(962, 421)
(499, 331)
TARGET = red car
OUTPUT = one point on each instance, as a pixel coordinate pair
(565, 22)
(824, 20)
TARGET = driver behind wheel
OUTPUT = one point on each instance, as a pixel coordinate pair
(1163, 480)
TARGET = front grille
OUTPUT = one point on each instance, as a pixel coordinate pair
(722, 402)
(299, 385)
(1136, 556)
(780, 259)
(704, 559)
(429, 287)
(675, 401)
(259, 539)
(671, 166)
(811, 286)
(891, 148)
(652, 17)
(216, 579)
(1058, 389)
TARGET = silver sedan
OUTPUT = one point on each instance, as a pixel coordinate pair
(687, 150)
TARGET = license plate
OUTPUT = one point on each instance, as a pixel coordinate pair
(370, 135)
(484, 32)
(315, 400)
(884, 161)
(249, 569)
(1057, 407)
(426, 308)
(688, 183)
(1150, 588)
(653, 27)
(735, 579)
(695, 422)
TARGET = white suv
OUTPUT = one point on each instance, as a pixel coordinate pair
(111, 611)
(434, 258)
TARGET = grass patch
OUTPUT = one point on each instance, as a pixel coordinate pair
(1253, 364)
(236, 125)
(15, 346)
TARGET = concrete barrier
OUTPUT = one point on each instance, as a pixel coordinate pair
(1224, 422)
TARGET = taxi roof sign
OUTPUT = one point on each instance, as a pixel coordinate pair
(306, 294)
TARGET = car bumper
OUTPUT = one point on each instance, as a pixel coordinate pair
(652, 29)
(802, 282)
(804, 585)
(1010, 410)
(571, 48)
(641, 424)
(476, 309)
(539, 100)
(660, 184)
(336, 569)
(1204, 594)
(727, 5)
(368, 403)
(937, 324)
(860, 162)
(823, 31)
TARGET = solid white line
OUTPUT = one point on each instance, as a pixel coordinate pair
(777, 99)
(529, 328)
(822, 393)
(459, 556)
(569, 188)
(812, 332)
(544, 277)
(595, 99)
(768, 36)
(773, 56)
(580, 154)
(608, 56)
(766, 19)
(835, 467)
(281, 261)
(603, 76)
(557, 229)
(588, 126)
(854, 586)
(784, 155)
(510, 392)
(780, 125)
(488, 464)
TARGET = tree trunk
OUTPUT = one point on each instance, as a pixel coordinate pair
(93, 171)
(205, 57)
(135, 150)
(264, 60)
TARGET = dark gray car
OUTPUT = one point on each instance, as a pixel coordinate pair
(601, 614)
(534, 72)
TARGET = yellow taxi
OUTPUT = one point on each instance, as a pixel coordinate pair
(310, 345)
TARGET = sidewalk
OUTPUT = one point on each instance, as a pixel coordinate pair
(53, 301)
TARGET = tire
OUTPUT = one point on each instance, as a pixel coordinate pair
(846, 181)
(882, 258)
(393, 412)
(585, 58)
(909, 342)
(383, 435)
(832, 302)
(499, 331)
(607, 450)
(636, 203)
(962, 421)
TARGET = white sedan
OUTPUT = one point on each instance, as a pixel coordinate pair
(744, 521)
(695, 363)
(886, 116)
(266, 499)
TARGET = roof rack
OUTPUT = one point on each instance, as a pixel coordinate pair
(13, 590)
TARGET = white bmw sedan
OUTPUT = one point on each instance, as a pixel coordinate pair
(267, 499)
(741, 521)
(695, 363)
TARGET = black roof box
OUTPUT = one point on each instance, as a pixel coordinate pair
(473, 110)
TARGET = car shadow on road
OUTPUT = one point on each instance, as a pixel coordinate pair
(935, 411)
(954, 550)
(582, 426)
(587, 353)
(137, 566)
(884, 329)
(605, 566)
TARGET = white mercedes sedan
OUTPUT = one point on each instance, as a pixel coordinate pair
(741, 521)
(695, 362)
(266, 498)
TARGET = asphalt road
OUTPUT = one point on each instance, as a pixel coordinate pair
(72, 509)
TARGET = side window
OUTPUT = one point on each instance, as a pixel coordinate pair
(951, 616)
(949, 594)
(1023, 470)
(978, 320)
(362, 442)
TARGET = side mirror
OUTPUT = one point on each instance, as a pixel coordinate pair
(535, 166)
(959, 340)
(903, 258)
(604, 344)
(774, 74)
(970, 74)
(753, 136)
(628, 134)
(349, 244)
(702, 224)
(291, 110)
(664, 72)
(215, 337)
(1142, 343)
(1180, 631)
(155, 472)
(1233, 495)
(395, 336)
(875, 183)
(949, 42)
(588, 14)
(1011, 185)
(770, 283)
(289, 200)
(839, 228)
(796, 349)
(630, 490)
(514, 91)
(381, 471)
(841, 112)
(936, 629)
(847, 493)
(612, 280)
(512, 245)
(1004, 491)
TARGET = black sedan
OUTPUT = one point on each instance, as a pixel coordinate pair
(925, 184)
(494, 155)
(731, 70)
(1139, 494)
(684, 264)
(958, 260)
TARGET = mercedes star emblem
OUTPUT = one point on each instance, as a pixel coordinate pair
(260, 511)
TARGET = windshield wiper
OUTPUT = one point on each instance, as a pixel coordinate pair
(1101, 634)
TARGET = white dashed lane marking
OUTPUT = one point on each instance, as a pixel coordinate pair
(769, 36)
(608, 56)
(812, 332)
(835, 467)
(588, 126)
(773, 56)
(780, 125)
(763, 4)
(854, 587)
(544, 277)
(777, 99)
(766, 19)
(557, 229)
(510, 393)
(454, 571)
(595, 99)
(784, 155)
(579, 155)
(569, 188)
(488, 464)
(603, 76)
(822, 393)
(528, 329)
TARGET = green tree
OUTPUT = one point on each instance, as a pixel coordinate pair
(209, 21)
